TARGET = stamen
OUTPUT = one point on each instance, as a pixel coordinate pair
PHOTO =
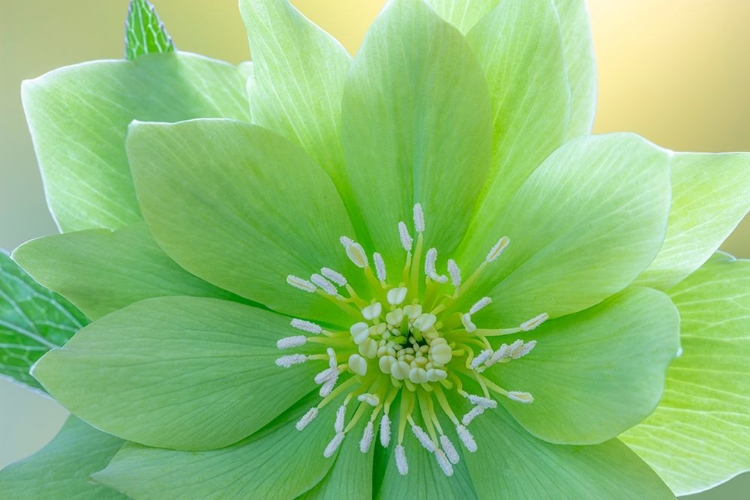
(406, 239)
(443, 462)
(372, 311)
(325, 375)
(418, 218)
(450, 450)
(367, 435)
(379, 267)
(401, 464)
(468, 324)
(358, 364)
(429, 262)
(534, 322)
(370, 399)
(307, 418)
(454, 272)
(521, 397)
(334, 276)
(466, 438)
(338, 426)
(483, 356)
(333, 445)
(331, 358)
(481, 304)
(397, 296)
(385, 431)
(324, 284)
(483, 402)
(327, 388)
(355, 252)
(473, 413)
(306, 326)
(423, 438)
(291, 359)
(301, 284)
(523, 350)
(360, 332)
(289, 342)
(497, 250)
(502, 352)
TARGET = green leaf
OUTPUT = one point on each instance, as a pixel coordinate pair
(698, 437)
(582, 227)
(33, 320)
(596, 373)
(511, 463)
(414, 93)
(279, 462)
(709, 198)
(63, 467)
(580, 61)
(242, 208)
(177, 372)
(144, 31)
(519, 47)
(101, 271)
(79, 115)
(461, 13)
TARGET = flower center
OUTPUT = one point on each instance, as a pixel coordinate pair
(406, 338)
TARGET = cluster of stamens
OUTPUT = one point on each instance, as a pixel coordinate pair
(408, 340)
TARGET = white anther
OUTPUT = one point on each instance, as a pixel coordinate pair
(469, 326)
(368, 348)
(441, 354)
(334, 276)
(325, 375)
(324, 284)
(466, 438)
(450, 450)
(425, 322)
(338, 426)
(483, 402)
(289, 342)
(481, 304)
(521, 397)
(372, 311)
(355, 252)
(385, 363)
(400, 370)
(443, 462)
(455, 273)
(370, 399)
(358, 364)
(301, 284)
(401, 464)
(292, 359)
(406, 239)
(534, 322)
(429, 262)
(418, 218)
(397, 296)
(360, 331)
(333, 445)
(331, 358)
(385, 431)
(502, 352)
(497, 250)
(423, 438)
(483, 356)
(328, 386)
(306, 326)
(379, 266)
(307, 418)
(473, 413)
(523, 350)
(367, 435)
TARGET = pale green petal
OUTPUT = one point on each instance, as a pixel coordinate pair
(581, 228)
(519, 46)
(710, 196)
(279, 463)
(463, 14)
(101, 271)
(177, 372)
(511, 463)
(581, 63)
(61, 469)
(79, 115)
(596, 373)
(698, 437)
(416, 127)
(242, 208)
(144, 31)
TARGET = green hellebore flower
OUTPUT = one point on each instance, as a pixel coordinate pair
(410, 274)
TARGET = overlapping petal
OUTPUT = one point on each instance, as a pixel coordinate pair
(177, 372)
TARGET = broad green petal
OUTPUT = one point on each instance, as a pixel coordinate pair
(463, 14)
(511, 463)
(299, 75)
(581, 228)
(101, 271)
(242, 208)
(79, 116)
(177, 372)
(279, 462)
(710, 196)
(580, 61)
(596, 373)
(144, 31)
(520, 49)
(698, 437)
(416, 127)
(62, 468)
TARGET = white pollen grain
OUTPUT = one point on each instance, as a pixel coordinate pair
(291, 359)
(301, 284)
(334, 276)
(338, 426)
(328, 386)
(367, 435)
(418, 218)
(454, 272)
(443, 462)
(466, 438)
(324, 284)
(498, 249)
(481, 304)
(429, 262)
(306, 326)
(483, 356)
(523, 350)
(325, 375)
(483, 402)
(307, 418)
(401, 464)
(333, 445)
(473, 413)
(450, 450)
(423, 438)
(290, 342)
(406, 239)
(521, 397)
(379, 266)
(534, 322)
(331, 358)
(385, 431)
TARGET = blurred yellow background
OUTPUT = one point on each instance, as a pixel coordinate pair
(674, 71)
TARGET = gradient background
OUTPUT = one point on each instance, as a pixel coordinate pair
(674, 71)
